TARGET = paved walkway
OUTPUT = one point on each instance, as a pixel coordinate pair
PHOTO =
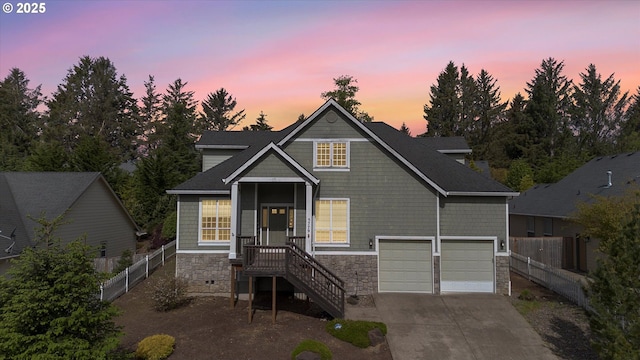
(464, 326)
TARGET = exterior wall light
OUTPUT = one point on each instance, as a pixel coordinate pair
(370, 243)
(501, 244)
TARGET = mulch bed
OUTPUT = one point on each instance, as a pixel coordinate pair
(208, 328)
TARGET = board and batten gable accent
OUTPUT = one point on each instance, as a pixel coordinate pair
(330, 125)
(213, 157)
(99, 215)
(269, 167)
(473, 216)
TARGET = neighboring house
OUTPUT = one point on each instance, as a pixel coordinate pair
(380, 209)
(546, 209)
(89, 205)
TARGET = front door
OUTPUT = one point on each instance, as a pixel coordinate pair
(276, 224)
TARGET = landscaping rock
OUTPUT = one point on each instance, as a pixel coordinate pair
(308, 355)
(376, 337)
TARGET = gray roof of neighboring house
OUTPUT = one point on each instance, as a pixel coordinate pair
(445, 173)
(446, 144)
(26, 195)
(560, 199)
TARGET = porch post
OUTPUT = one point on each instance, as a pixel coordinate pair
(234, 219)
(308, 216)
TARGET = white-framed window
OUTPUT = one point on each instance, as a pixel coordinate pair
(215, 220)
(331, 154)
(332, 222)
(531, 226)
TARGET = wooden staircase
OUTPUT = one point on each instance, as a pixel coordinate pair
(299, 268)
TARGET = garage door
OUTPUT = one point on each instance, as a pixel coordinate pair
(405, 266)
(466, 266)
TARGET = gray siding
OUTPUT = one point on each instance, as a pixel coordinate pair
(271, 166)
(98, 215)
(321, 128)
(473, 216)
(213, 157)
(384, 198)
(247, 209)
(189, 222)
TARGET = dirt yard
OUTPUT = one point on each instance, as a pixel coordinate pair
(208, 328)
(562, 325)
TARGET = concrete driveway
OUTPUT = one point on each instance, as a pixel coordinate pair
(464, 326)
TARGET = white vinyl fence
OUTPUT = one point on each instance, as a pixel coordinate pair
(552, 278)
(131, 276)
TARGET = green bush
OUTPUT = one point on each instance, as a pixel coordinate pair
(313, 346)
(169, 293)
(155, 347)
(126, 260)
(169, 226)
(355, 332)
(526, 295)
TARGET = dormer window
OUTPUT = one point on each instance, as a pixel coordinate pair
(331, 155)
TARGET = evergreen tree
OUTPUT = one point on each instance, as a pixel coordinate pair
(19, 119)
(597, 112)
(345, 95)
(490, 112)
(260, 125)
(150, 115)
(613, 291)
(48, 156)
(443, 112)
(173, 161)
(629, 138)
(217, 112)
(548, 110)
(405, 129)
(94, 101)
(468, 98)
(49, 307)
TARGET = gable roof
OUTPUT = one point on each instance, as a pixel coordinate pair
(444, 174)
(26, 195)
(560, 199)
(446, 144)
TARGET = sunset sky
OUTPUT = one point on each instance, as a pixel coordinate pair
(278, 56)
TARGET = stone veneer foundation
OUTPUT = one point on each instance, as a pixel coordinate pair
(206, 274)
(346, 266)
(210, 274)
(503, 278)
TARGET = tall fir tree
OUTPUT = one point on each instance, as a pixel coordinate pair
(218, 112)
(260, 125)
(629, 138)
(405, 129)
(490, 112)
(94, 101)
(597, 112)
(19, 119)
(442, 113)
(548, 109)
(345, 95)
(150, 116)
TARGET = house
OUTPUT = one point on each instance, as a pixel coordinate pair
(376, 208)
(89, 205)
(546, 209)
